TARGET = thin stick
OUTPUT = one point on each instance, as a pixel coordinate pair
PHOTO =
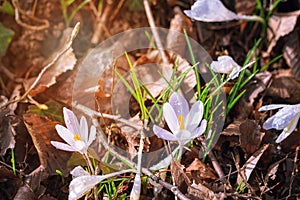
(295, 169)
(91, 112)
(45, 68)
(45, 22)
(154, 31)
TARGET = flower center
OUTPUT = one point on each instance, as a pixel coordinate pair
(181, 122)
(77, 137)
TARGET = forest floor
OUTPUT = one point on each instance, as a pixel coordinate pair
(40, 74)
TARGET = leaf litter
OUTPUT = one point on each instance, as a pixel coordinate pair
(246, 162)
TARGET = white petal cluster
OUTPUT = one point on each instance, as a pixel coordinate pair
(183, 123)
(226, 65)
(285, 119)
(76, 135)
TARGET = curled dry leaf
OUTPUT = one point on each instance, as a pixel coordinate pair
(285, 89)
(42, 131)
(291, 52)
(250, 137)
(180, 177)
(66, 62)
(248, 167)
(198, 172)
(200, 191)
(7, 122)
(279, 26)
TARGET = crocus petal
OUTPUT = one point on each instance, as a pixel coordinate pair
(200, 130)
(92, 135)
(224, 65)
(194, 117)
(62, 146)
(281, 119)
(164, 134)
(183, 136)
(288, 130)
(65, 134)
(170, 117)
(271, 107)
(80, 146)
(71, 121)
(78, 171)
(84, 130)
(179, 104)
(80, 185)
(235, 72)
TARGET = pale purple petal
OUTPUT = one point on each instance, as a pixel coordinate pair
(179, 104)
(78, 171)
(71, 121)
(281, 119)
(183, 136)
(92, 135)
(170, 117)
(272, 107)
(62, 146)
(65, 134)
(289, 129)
(84, 130)
(200, 130)
(164, 134)
(80, 185)
(194, 117)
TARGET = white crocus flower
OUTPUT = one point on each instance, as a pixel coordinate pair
(226, 65)
(183, 123)
(76, 135)
(285, 119)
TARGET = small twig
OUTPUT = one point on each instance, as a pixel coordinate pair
(154, 31)
(217, 166)
(101, 24)
(91, 112)
(19, 11)
(9, 74)
(112, 17)
(131, 164)
(45, 68)
(294, 172)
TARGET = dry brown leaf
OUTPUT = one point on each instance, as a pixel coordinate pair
(42, 131)
(250, 137)
(7, 122)
(248, 167)
(8, 183)
(284, 89)
(254, 88)
(199, 172)
(181, 179)
(64, 63)
(279, 26)
(199, 191)
(291, 52)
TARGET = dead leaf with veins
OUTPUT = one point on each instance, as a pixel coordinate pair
(66, 62)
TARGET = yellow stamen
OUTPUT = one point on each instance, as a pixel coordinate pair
(181, 122)
(290, 124)
(77, 137)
